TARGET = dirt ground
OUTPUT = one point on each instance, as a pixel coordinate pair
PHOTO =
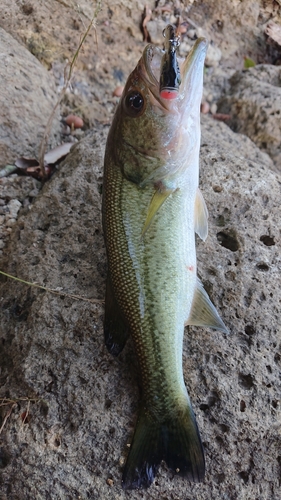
(68, 409)
(52, 31)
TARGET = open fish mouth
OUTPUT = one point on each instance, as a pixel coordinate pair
(152, 57)
(181, 114)
(167, 133)
(190, 71)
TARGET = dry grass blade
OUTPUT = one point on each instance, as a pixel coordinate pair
(7, 402)
(13, 403)
(56, 292)
(7, 416)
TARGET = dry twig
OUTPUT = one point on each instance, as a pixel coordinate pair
(50, 290)
(13, 403)
(7, 416)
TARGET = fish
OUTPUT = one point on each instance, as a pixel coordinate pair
(151, 209)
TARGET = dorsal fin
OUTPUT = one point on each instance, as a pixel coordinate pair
(157, 201)
(203, 312)
(200, 216)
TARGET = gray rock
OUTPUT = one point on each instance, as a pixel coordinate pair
(18, 187)
(214, 53)
(155, 29)
(213, 56)
(14, 206)
(15, 191)
(254, 103)
(27, 99)
(84, 407)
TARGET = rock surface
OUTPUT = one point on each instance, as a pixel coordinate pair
(254, 104)
(27, 99)
(15, 192)
(69, 439)
(73, 443)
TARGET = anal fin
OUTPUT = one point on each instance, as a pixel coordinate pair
(115, 330)
(203, 312)
(200, 216)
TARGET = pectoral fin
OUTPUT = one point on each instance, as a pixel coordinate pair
(115, 330)
(200, 216)
(203, 312)
(157, 201)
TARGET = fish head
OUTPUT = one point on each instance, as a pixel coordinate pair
(154, 138)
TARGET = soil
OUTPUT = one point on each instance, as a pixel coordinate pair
(68, 408)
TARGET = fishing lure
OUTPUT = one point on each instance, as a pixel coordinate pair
(169, 71)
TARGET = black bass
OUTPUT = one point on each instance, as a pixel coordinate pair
(152, 207)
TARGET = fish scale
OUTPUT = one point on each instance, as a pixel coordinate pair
(163, 286)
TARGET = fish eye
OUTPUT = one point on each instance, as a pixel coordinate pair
(134, 103)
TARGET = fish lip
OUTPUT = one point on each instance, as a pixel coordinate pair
(149, 53)
(187, 69)
(195, 58)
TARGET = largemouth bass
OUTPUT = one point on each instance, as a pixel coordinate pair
(152, 208)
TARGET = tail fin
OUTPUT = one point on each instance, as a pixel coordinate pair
(177, 441)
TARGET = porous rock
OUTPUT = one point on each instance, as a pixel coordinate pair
(14, 206)
(84, 401)
(254, 104)
(27, 99)
(213, 56)
(16, 191)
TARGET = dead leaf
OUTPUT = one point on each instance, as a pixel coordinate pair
(24, 163)
(221, 117)
(57, 153)
(30, 166)
(249, 63)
